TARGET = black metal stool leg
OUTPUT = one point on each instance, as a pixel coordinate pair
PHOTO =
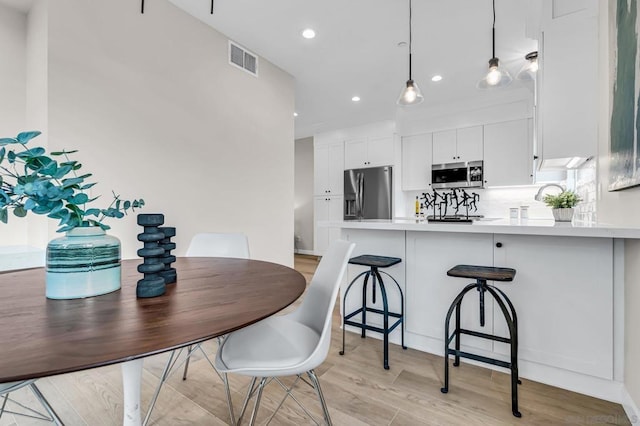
(344, 307)
(401, 308)
(364, 303)
(456, 361)
(385, 316)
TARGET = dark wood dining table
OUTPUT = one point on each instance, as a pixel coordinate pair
(213, 296)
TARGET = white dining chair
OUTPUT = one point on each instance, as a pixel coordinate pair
(7, 388)
(288, 345)
(208, 244)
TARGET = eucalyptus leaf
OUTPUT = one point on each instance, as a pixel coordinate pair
(4, 215)
(19, 211)
(25, 137)
(7, 141)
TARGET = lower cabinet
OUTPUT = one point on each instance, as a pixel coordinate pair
(562, 293)
(326, 210)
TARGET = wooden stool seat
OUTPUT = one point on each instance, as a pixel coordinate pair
(487, 273)
(374, 261)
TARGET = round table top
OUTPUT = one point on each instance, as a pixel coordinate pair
(213, 296)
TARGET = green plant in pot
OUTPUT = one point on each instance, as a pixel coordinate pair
(85, 262)
(562, 205)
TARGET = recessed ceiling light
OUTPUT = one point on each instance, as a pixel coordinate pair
(295, 114)
(308, 33)
(436, 78)
(356, 99)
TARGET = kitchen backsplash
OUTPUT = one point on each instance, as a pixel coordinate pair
(496, 202)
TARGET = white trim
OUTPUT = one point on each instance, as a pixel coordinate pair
(308, 252)
(630, 407)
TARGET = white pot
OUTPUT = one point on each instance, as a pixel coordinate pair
(562, 215)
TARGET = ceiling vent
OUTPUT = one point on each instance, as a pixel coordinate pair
(242, 58)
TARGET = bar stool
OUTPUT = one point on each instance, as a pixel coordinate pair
(374, 263)
(482, 274)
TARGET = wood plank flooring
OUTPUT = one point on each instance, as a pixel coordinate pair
(357, 389)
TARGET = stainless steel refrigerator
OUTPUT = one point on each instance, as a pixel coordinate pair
(367, 193)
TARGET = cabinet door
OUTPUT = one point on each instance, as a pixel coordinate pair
(508, 155)
(469, 144)
(320, 168)
(563, 296)
(336, 214)
(430, 291)
(380, 152)
(335, 169)
(444, 147)
(416, 162)
(568, 92)
(355, 154)
(320, 228)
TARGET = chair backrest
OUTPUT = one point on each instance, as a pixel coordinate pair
(316, 308)
(218, 244)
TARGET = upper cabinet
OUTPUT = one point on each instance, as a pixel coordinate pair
(458, 145)
(568, 82)
(508, 153)
(416, 162)
(328, 166)
(368, 152)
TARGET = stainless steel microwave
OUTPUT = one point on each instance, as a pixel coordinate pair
(457, 175)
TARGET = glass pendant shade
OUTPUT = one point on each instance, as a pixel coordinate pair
(529, 69)
(411, 94)
(496, 76)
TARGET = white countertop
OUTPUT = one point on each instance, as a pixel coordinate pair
(497, 226)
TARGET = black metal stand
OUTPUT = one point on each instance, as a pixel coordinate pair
(374, 272)
(512, 323)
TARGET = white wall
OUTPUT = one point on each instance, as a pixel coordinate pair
(157, 112)
(620, 208)
(303, 212)
(13, 39)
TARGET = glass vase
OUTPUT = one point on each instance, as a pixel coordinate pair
(83, 263)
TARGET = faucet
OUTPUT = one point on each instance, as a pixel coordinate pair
(538, 196)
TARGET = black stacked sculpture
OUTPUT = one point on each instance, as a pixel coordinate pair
(156, 254)
(168, 273)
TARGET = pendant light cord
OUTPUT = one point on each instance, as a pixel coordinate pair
(493, 31)
(410, 39)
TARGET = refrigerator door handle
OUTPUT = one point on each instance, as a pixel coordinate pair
(360, 195)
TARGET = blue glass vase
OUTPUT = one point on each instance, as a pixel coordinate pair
(83, 263)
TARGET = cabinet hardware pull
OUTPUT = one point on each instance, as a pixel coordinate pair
(498, 245)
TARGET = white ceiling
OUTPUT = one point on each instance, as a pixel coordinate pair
(356, 50)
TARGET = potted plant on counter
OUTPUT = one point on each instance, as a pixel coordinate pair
(85, 262)
(562, 205)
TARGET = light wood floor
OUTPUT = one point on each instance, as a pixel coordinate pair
(358, 391)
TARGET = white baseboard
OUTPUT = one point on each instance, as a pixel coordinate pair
(630, 407)
(309, 252)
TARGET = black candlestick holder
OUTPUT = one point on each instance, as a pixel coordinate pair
(153, 283)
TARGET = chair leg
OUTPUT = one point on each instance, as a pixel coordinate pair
(186, 364)
(246, 399)
(256, 405)
(225, 379)
(54, 417)
(4, 404)
(165, 374)
(316, 385)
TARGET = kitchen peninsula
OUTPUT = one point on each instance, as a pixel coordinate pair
(568, 291)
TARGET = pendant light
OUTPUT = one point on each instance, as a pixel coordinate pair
(529, 69)
(497, 76)
(410, 94)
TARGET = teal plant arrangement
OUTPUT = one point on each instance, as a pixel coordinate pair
(31, 181)
(86, 261)
(562, 205)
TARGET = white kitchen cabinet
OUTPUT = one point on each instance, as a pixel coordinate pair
(326, 209)
(429, 255)
(508, 153)
(416, 162)
(368, 152)
(563, 295)
(328, 168)
(568, 85)
(457, 145)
